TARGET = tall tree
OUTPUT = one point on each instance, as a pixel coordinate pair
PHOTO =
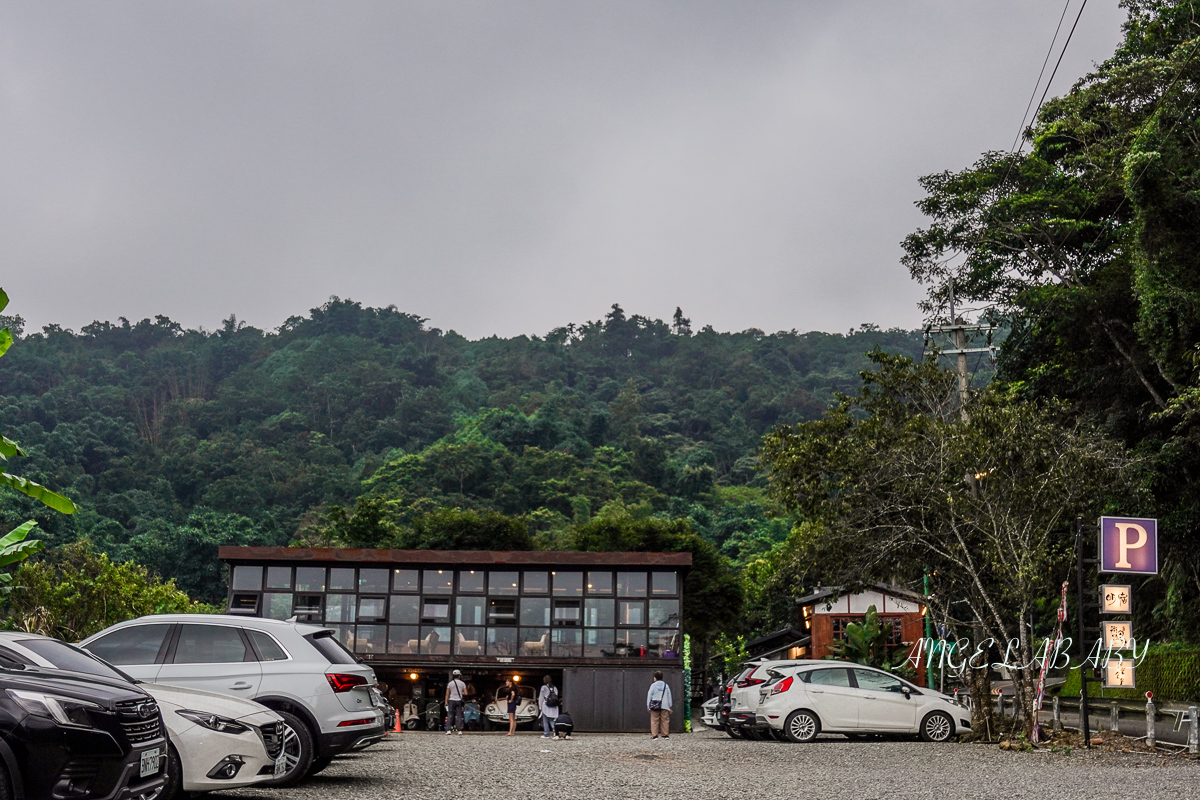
(903, 483)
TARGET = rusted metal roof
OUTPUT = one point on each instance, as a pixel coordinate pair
(485, 558)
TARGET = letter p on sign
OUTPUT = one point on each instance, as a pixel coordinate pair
(1129, 545)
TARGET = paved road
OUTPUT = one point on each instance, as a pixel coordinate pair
(420, 766)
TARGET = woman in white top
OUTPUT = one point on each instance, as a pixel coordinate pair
(548, 703)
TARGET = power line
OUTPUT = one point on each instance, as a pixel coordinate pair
(1041, 72)
(1058, 63)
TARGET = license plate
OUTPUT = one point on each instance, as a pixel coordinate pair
(280, 766)
(150, 762)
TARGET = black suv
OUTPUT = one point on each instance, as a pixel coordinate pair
(71, 738)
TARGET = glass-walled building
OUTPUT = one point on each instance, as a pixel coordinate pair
(580, 617)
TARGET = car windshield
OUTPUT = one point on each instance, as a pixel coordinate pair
(64, 656)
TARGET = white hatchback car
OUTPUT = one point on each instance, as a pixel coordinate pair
(301, 672)
(851, 699)
(216, 742)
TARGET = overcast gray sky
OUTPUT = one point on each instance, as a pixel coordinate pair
(498, 167)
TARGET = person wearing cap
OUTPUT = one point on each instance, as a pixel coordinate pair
(455, 693)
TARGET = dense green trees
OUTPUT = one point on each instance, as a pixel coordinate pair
(1088, 245)
(363, 425)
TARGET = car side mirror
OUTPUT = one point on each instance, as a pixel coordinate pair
(907, 693)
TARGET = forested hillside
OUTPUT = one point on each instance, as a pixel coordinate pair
(363, 426)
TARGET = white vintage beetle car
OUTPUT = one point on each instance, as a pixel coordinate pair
(527, 708)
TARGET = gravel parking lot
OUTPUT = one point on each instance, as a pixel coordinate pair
(711, 765)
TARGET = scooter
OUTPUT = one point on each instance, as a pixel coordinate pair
(410, 717)
(434, 717)
(472, 719)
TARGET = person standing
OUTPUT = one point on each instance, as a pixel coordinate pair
(658, 703)
(456, 692)
(509, 695)
(548, 703)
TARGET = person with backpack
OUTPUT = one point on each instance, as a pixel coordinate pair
(455, 695)
(658, 703)
(548, 703)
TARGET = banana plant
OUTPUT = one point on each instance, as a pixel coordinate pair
(16, 545)
(866, 642)
(10, 449)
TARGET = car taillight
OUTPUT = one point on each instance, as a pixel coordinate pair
(343, 683)
(348, 722)
(782, 686)
(751, 682)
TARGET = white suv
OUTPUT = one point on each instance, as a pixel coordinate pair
(302, 672)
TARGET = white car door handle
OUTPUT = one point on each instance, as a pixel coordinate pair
(817, 691)
(870, 697)
(240, 685)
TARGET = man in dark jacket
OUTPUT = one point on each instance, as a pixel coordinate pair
(563, 725)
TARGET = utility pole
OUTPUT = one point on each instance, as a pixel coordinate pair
(958, 329)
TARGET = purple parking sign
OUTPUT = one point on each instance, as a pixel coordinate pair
(1129, 545)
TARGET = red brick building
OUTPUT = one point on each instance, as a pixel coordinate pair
(825, 614)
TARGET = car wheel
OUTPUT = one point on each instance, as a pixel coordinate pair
(802, 726)
(937, 727)
(172, 787)
(734, 732)
(778, 736)
(319, 764)
(298, 751)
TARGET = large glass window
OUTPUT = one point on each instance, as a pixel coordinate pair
(279, 577)
(209, 644)
(664, 643)
(568, 613)
(535, 642)
(568, 584)
(341, 579)
(310, 579)
(435, 609)
(664, 613)
(663, 584)
(502, 611)
(247, 579)
(277, 605)
(501, 641)
(370, 639)
(372, 609)
(468, 641)
(339, 608)
(344, 635)
(537, 583)
(598, 643)
(373, 581)
(438, 580)
(309, 607)
(435, 640)
(268, 648)
(406, 580)
(600, 582)
(403, 640)
(471, 581)
(469, 611)
(405, 610)
(632, 612)
(599, 613)
(566, 642)
(631, 642)
(502, 582)
(535, 611)
(631, 584)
